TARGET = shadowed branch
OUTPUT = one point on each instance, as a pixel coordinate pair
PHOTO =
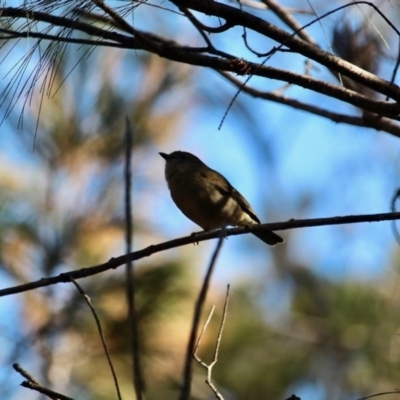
(200, 237)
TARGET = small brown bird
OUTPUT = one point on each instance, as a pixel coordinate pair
(207, 198)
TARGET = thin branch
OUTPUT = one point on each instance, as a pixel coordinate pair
(210, 314)
(377, 123)
(55, 38)
(379, 394)
(188, 367)
(221, 328)
(138, 379)
(198, 25)
(101, 333)
(32, 384)
(209, 367)
(396, 66)
(285, 15)
(242, 67)
(63, 22)
(200, 28)
(114, 263)
(24, 373)
(115, 16)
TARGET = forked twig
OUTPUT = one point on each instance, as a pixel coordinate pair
(32, 384)
(210, 366)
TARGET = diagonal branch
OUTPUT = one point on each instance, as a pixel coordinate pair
(366, 121)
(204, 57)
(32, 384)
(101, 334)
(200, 237)
(240, 18)
(288, 19)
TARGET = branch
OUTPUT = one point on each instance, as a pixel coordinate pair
(240, 18)
(138, 380)
(242, 67)
(187, 371)
(377, 123)
(101, 334)
(114, 263)
(380, 394)
(31, 383)
(288, 19)
(57, 21)
(225, 62)
(209, 367)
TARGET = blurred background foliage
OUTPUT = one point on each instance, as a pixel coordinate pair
(303, 317)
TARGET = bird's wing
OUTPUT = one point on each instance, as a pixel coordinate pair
(246, 207)
(226, 188)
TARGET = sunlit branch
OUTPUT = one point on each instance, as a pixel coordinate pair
(209, 367)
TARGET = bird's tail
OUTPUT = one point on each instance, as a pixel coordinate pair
(268, 237)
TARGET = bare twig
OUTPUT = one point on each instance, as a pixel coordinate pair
(24, 373)
(210, 366)
(380, 394)
(210, 314)
(32, 384)
(188, 367)
(200, 237)
(138, 379)
(101, 333)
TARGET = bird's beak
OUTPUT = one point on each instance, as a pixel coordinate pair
(165, 156)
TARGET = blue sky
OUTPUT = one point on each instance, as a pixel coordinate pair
(338, 169)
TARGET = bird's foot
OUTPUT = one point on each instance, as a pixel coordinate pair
(194, 238)
(223, 232)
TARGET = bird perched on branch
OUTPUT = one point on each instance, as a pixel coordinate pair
(207, 198)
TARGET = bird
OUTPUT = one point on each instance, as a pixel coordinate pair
(207, 198)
